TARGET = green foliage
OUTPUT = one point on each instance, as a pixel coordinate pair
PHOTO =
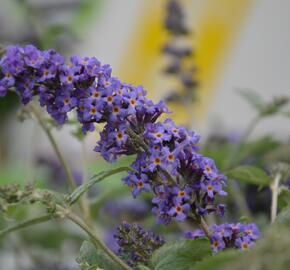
(264, 108)
(51, 34)
(180, 255)
(270, 252)
(90, 258)
(218, 260)
(278, 154)
(88, 11)
(142, 267)
(250, 175)
(95, 179)
(283, 218)
(252, 98)
(284, 197)
(258, 149)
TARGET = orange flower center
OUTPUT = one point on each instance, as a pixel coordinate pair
(119, 135)
(69, 79)
(93, 110)
(157, 161)
(208, 169)
(245, 246)
(115, 109)
(178, 209)
(210, 188)
(181, 193)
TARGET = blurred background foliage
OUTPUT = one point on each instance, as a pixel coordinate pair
(74, 26)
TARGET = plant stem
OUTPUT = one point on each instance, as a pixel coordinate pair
(232, 158)
(78, 192)
(87, 208)
(95, 240)
(203, 225)
(231, 161)
(275, 192)
(56, 149)
(67, 171)
(26, 223)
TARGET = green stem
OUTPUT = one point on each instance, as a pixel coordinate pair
(232, 158)
(63, 212)
(275, 192)
(95, 240)
(87, 208)
(67, 171)
(239, 199)
(203, 225)
(25, 224)
(78, 192)
(231, 161)
(56, 149)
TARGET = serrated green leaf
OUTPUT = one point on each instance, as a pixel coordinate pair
(91, 258)
(180, 255)
(216, 261)
(250, 175)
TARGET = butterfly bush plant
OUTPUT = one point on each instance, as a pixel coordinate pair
(184, 184)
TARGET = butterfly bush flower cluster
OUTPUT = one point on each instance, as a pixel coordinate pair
(179, 53)
(136, 245)
(184, 183)
(241, 236)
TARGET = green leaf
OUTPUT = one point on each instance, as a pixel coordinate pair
(258, 148)
(250, 175)
(244, 220)
(284, 217)
(278, 154)
(252, 98)
(91, 258)
(180, 255)
(142, 267)
(216, 261)
(72, 198)
(88, 10)
(284, 197)
(25, 224)
(78, 133)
